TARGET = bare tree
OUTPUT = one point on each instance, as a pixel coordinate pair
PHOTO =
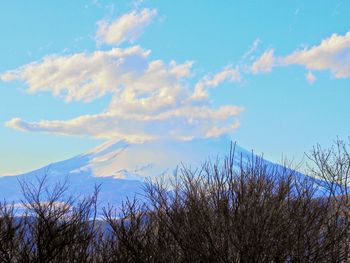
(250, 212)
(57, 228)
(229, 211)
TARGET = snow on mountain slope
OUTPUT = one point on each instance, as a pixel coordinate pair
(151, 159)
(121, 167)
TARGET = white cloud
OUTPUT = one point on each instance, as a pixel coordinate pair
(310, 77)
(128, 27)
(217, 131)
(227, 74)
(252, 49)
(264, 63)
(331, 54)
(181, 123)
(149, 98)
(81, 77)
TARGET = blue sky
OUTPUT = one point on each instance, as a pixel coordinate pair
(273, 76)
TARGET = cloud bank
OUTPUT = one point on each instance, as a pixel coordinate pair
(150, 99)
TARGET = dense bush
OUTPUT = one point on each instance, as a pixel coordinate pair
(228, 212)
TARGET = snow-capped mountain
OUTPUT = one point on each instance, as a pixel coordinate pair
(120, 167)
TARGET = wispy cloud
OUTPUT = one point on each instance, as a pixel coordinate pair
(310, 77)
(128, 27)
(264, 63)
(249, 54)
(227, 74)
